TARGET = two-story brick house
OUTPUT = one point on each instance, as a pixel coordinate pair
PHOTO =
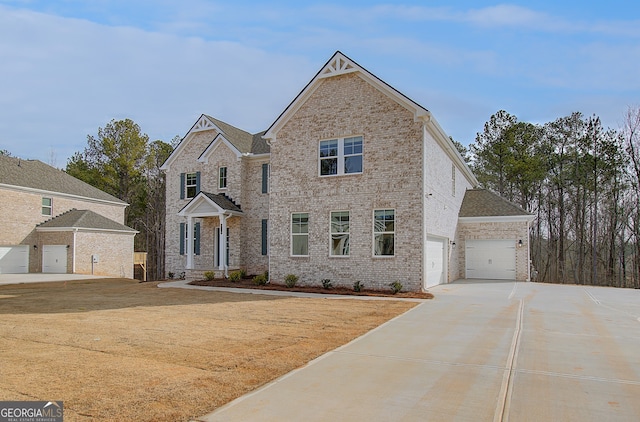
(352, 182)
(52, 222)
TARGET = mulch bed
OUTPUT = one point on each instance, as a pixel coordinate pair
(247, 283)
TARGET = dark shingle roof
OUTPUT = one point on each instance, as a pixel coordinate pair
(223, 201)
(35, 174)
(85, 219)
(484, 203)
(242, 140)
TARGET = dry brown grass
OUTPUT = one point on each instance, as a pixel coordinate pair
(120, 350)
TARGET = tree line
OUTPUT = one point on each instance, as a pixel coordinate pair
(582, 183)
(122, 161)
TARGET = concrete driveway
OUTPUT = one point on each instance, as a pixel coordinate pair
(480, 351)
(42, 278)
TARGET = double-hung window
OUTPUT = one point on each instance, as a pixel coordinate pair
(341, 156)
(300, 234)
(222, 178)
(339, 233)
(47, 206)
(384, 232)
(191, 183)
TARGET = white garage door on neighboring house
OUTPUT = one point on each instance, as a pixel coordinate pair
(14, 259)
(54, 259)
(491, 259)
(435, 262)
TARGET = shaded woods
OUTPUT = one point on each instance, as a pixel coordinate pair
(121, 161)
(581, 181)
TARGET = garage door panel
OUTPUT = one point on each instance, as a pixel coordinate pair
(54, 259)
(14, 259)
(435, 268)
(491, 259)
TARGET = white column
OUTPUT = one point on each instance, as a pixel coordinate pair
(189, 245)
(223, 244)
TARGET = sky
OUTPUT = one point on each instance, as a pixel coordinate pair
(70, 67)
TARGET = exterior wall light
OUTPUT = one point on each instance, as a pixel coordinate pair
(520, 243)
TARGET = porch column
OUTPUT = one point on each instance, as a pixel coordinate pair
(189, 248)
(223, 244)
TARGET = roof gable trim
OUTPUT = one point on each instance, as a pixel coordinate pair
(217, 141)
(202, 124)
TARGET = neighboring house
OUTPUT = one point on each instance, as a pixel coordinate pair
(52, 222)
(352, 182)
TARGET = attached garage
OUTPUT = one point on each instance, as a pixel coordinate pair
(491, 259)
(435, 268)
(54, 259)
(14, 259)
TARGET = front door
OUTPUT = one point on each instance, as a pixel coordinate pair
(217, 250)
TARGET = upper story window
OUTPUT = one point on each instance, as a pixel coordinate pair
(341, 156)
(339, 233)
(222, 178)
(191, 183)
(47, 206)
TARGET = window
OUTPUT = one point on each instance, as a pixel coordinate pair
(384, 232)
(300, 234)
(453, 179)
(339, 233)
(196, 238)
(222, 178)
(189, 185)
(341, 156)
(47, 206)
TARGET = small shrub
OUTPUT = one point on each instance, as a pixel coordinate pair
(243, 273)
(209, 275)
(326, 283)
(358, 286)
(235, 276)
(396, 287)
(183, 275)
(171, 275)
(290, 280)
(260, 279)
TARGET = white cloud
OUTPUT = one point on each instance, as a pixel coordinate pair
(63, 78)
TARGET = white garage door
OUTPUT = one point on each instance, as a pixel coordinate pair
(54, 259)
(435, 268)
(491, 259)
(14, 259)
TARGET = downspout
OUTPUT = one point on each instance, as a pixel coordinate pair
(73, 254)
(425, 196)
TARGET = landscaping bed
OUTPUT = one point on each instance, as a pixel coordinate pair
(248, 283)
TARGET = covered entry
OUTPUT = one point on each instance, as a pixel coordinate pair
(435, 268)
(491, 259)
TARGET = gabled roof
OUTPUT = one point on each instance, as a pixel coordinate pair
(484, 203)
(38, 176)
(206, 204)
(83, 220)
(243, 141)
(340, 64)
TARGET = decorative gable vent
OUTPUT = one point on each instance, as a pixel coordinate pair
(204, 124)
(337, 66)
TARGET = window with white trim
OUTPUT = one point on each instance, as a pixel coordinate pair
(191, 183)
(222, 178)
(47, 206)
(341, 156)
(384, 232)
(339, 233)
(300, 234)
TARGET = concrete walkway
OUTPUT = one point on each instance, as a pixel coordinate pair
(480, 351)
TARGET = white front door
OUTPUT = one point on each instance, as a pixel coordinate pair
(435, 262)
(54, 259)
(14, 259)
(491, 259)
